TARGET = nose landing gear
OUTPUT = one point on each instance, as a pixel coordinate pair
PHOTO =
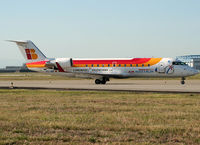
(183, 80)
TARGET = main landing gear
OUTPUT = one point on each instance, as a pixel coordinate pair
(183, 80)
(103, 81)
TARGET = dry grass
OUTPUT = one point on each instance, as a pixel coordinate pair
(69, 117)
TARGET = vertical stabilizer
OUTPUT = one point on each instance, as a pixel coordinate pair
(30, 52)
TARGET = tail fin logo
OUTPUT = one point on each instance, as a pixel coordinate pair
(30, 53)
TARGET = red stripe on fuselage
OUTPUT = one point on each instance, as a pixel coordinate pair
(129, 61)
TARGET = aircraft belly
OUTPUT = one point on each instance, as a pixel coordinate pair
(126, 72)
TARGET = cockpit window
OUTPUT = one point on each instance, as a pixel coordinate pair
(178, 63)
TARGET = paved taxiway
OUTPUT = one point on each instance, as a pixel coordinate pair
(113, 85)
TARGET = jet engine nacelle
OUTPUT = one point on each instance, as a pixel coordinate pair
(50, 65)
(64, 62)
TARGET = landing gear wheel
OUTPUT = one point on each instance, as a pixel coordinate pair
(103, 82)
(97, 81)
(182, 80)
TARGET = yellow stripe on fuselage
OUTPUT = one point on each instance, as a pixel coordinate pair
(153, 61)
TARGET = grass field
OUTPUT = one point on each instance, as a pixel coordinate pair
(43, 76)
(70, 117)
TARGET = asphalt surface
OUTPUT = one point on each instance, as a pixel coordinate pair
(173, 86)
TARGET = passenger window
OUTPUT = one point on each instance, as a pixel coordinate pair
(102, 65)
(119, 65)
(97, 65)
(92, 65)
(148, 65)
(113, 65)
(142, 65)
(124, 65)
(108, 65)
(131, 65)
(86, 65)
(136, 65)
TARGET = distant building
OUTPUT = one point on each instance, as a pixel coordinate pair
(191, 60)
(22, 68)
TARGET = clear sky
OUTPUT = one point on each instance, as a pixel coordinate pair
(100, 28)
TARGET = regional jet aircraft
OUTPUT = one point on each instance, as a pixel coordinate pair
(103, 69)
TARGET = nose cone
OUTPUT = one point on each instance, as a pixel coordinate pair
(194, 71)
(191, 71)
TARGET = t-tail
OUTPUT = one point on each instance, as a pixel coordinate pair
(37, 61)
(30, 52)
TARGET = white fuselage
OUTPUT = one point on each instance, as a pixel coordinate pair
(164, 68)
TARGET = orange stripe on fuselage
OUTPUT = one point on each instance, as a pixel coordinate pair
(153, 61)
(39, 64)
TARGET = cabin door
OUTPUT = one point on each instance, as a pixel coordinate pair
(114, 67)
